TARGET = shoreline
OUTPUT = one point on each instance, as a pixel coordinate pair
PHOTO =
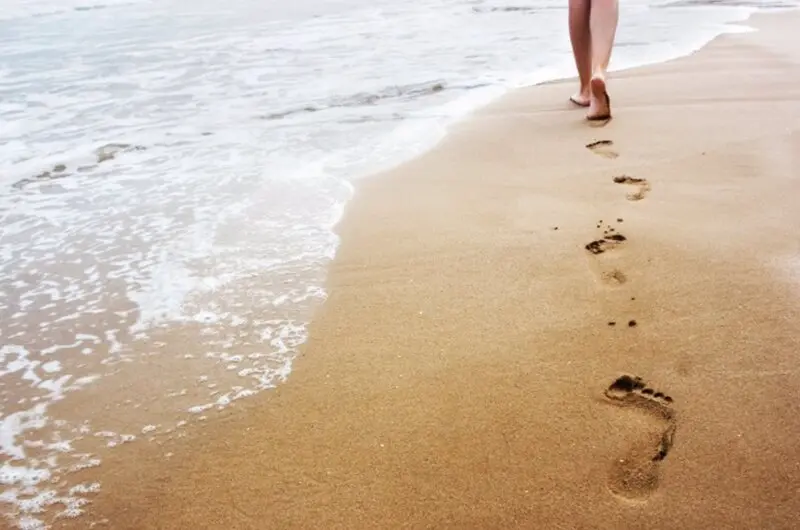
(104, 400)
(434, 390)
(734, 27)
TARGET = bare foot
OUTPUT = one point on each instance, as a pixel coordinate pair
(582, 98)
(600, 103)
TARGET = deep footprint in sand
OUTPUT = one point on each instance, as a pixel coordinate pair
(602, 148)
(637, 474)
(642, 186)
(604, 270)
(604, 244)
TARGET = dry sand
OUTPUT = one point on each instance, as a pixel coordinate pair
(456, 376)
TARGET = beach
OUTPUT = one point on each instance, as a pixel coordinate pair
(170, 188)
(486, 297)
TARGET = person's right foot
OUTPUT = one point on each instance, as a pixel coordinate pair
(599, 104)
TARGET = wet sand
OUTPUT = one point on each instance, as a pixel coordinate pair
(458, 375)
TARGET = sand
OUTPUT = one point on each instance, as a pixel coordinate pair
(458, 375)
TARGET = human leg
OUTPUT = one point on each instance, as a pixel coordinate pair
(603, 18)
(581, 47)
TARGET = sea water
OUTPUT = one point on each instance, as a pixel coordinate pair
(171, 172)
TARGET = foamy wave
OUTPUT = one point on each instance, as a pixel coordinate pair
(20, 9)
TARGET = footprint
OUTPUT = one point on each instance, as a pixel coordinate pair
(637, 474)
(606, 272)
(642, 185)
(613, 277)
(609, 242)
(602, 148)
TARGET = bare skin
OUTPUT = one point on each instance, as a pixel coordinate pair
(592, 28)
(580, 38)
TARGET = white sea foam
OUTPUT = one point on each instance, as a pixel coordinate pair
(160, 173)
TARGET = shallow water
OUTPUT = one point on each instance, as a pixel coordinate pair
(170, 175)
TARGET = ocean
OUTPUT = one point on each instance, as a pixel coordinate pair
(171, 174)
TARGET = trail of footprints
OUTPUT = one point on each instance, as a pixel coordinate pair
(605, 149)
(637, 473)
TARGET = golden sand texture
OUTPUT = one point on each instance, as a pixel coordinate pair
(487, 300)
